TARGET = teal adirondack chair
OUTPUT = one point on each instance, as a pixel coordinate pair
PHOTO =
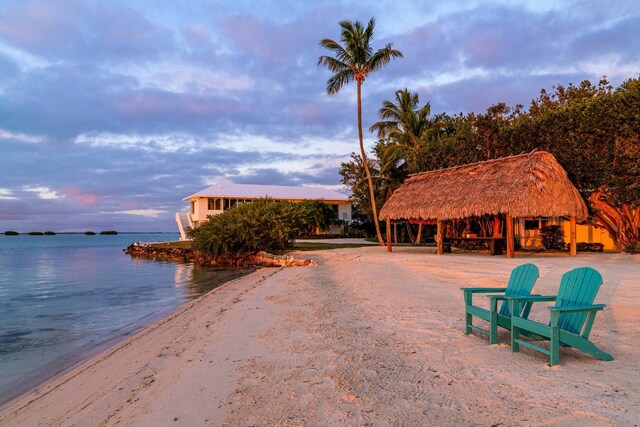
(520, 284)
(571, 318)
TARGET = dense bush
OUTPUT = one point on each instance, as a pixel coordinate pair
(11, 233)
(108, 233)
(49, 233)
(634, 249)
(90, 233)
(263, 225)
(589, 247)
(552, 237)
(36, 233)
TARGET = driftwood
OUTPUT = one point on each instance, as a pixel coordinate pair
(260, 259)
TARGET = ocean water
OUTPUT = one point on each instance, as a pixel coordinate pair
(68, 296)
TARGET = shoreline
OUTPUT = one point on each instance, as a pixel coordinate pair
(55, 369)
(102, 351)
(361, 337)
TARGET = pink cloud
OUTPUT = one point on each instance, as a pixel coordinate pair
(81, 197)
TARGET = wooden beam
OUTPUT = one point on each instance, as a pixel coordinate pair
(419, 237)
(439, 237)
(388, 235)
(395, 233)
(510, 238)
(573, 245)
(496, 226)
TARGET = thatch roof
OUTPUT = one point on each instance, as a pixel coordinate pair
(526, 185)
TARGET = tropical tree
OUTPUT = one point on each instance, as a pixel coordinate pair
(319, 216)
(354, 60)
(405, 124)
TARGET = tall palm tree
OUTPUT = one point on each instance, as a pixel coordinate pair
(354, 60)
(404, 122)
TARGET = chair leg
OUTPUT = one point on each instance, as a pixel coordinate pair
(554, 356)
(515, 335)
(468, 323)
(493, 328)
(515, 331)
(588, 347)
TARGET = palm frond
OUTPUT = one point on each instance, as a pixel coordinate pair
(338, 80)
(334, 65)
(382, 57)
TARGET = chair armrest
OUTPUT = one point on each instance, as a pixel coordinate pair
(483, 290)
(533, 298)
(593, 307)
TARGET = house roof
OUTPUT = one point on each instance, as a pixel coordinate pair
(278, 192)
(526, 185)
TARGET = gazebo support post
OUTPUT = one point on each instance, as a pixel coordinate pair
(496, 226)
(510, 238)
(388, 235)
(419, 237)
(573, 245)
(439, 236)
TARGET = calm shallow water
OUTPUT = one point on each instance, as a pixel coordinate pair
(64, 297)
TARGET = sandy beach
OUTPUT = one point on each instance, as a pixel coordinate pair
(364, 337)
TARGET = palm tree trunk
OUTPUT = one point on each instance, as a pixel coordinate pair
(366, 167)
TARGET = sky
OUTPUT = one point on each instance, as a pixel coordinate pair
(111, 112)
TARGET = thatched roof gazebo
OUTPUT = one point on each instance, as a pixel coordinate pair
(522, 186)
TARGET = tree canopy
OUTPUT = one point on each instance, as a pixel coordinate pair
(592, 129)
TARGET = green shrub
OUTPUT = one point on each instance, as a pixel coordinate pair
(633, 249)
(263, 225)
(49, 233)
(36, 233)
(552, 237)
(589, 247)
(108, 233)
(11, 233)
(90, 233)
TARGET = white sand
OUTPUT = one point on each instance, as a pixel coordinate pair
(362, 338)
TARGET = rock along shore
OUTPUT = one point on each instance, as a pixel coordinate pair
(260, 259)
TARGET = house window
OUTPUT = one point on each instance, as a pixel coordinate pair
(193, 207)
(218, 205)
(210, 204)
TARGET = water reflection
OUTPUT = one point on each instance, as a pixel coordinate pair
(204, 279)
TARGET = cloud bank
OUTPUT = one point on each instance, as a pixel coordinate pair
(112, 112)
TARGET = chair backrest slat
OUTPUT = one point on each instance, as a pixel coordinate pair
(578, 287)
(520, 283)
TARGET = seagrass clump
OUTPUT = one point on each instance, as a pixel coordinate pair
(526, 185)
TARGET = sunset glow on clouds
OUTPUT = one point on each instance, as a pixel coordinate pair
(112, 112)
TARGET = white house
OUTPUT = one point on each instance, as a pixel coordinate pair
(217, 198)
